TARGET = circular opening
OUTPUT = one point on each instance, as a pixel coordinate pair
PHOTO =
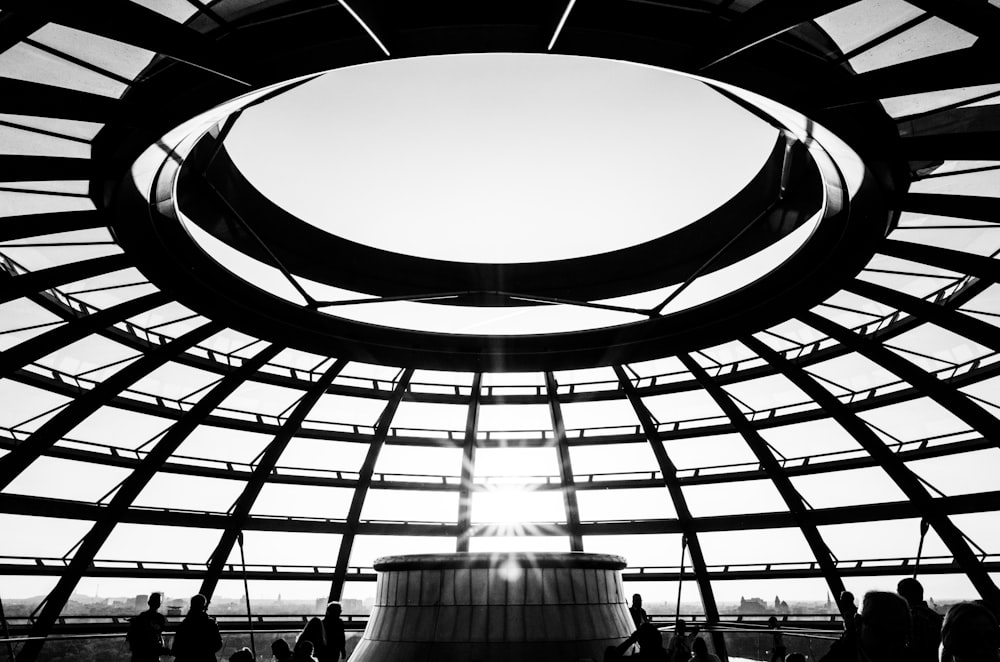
(499, 157)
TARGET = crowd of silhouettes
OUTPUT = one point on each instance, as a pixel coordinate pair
(901, 627)
(889, 627)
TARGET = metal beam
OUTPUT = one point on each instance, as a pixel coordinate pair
(365, 481)
(565, 466)
(468, 465)
(130, 489)
(75, 329)
(25, 98)
(928, 507)
(796, 505)
(979, 18)
(53, 430)
(943, 316)
(946, 71)
(673, 485)
(763, 21)
(927, 384)
(23, 168)
(261, 472)
(974, 145)
(130, 23)
(35, 225)
(980, 208)
(964, 263)
(45, 279)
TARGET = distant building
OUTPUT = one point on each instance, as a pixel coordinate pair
(140, 601)
(753, 606)
(352, 606)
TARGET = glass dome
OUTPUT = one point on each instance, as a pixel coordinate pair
(829, 428)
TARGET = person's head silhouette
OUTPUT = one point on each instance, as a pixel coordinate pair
(199, 603)
(154, 601)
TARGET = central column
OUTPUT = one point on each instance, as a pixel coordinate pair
(519, 606)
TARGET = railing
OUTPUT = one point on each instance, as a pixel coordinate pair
(486, 481)
(122, 567)
(746, 637)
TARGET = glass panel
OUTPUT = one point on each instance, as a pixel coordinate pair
(23, 319)
(932, 37)
(312, 501)
(986, 393)
(913, 278)
(860, 22)
(625, 504)
(975, 237)
(754, 547)
(612, 459)
(40, 536)
(410, 506)
(600, 414)
(224, 444)
(697, 452)
(890, 539)
(504, 418)
(56, 478)
(934, 348)
(164, 544)
(494, 463)
(419, 460)
(180, 492)
(177, 381)
(269, 596)
(764, 393)
(178, 10)
(16, 140)
(650, 550)
(685, 406)
(288, 548)
(429, 416)
(912, 104)
(368, 548)
(26, 62)
(260, 398)
(812, 438)
(847, 488)
(113, 56)
(917, 419)
(317, 455)
(119, 427)
(963, 473)
(347, 410)
(850, 373)
(33, 405)
(983, 183)
(751, 496)
(511, 506)
(520, 543)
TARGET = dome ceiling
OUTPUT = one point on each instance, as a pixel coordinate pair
(809, 423)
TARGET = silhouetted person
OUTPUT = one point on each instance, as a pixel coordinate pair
(777, 641)
(145, 633)
(970, 634)
(679, 649)
(650, 646)
(314, 633)
(926, 636)
(197, 638)
(639, 617)
(303, 651)
(333, 629)
(281, 651)
(242, 655)
(883, 631)
(699, 652)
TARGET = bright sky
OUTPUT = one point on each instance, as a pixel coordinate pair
(500, 157)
